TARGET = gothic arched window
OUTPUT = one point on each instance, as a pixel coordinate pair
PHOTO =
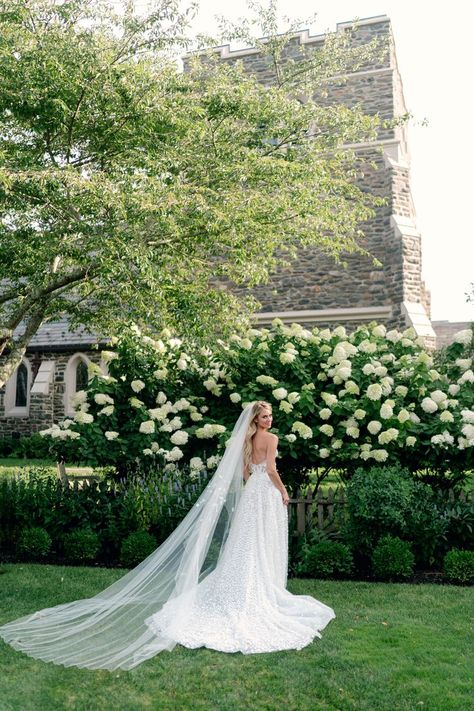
(82, 376)
(21, 392)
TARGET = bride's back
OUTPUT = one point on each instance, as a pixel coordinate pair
(260, 444)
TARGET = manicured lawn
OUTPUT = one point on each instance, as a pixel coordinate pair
(9, 467)
(390, 647)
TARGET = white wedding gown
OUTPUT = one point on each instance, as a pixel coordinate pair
(243, 605)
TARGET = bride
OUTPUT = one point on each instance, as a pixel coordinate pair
(218, 581)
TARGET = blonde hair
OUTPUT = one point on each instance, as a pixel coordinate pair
(257, 407)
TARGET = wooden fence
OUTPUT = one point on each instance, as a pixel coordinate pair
(321, 509)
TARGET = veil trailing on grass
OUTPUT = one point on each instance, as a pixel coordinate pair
(109, 630)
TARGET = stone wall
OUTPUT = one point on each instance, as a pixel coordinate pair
(44, 408)
(315, 282)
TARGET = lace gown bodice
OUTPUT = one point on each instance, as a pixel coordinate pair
(243, 604)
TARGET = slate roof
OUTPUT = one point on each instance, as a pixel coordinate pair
(58, 336)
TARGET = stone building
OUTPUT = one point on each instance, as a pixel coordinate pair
(312, 290)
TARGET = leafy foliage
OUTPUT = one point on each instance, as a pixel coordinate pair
(392, 559)
(136, 547)
(459, 566)
(128, 187)
(81, 545)
(340, 400)
(326, 559)
(33, 543)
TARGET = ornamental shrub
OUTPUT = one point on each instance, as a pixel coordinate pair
(136, 547)
(326, 559)
(81, 545)
(378, 503)
(392, 559)
(366, 398)
(33, 543)
(458, 567)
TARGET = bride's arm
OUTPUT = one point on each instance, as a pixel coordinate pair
(271, 467)
(246, 472)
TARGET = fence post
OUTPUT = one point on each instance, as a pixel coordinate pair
(62, 473)
(300, 513)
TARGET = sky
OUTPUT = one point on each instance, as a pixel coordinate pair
(435, 58)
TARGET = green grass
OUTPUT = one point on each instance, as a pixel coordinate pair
(11, 466)
(391, 647)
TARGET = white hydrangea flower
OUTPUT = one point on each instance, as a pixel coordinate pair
(175, 342)
(324, 453)
(464, 337)
(213, 461)
(388, 435)
(438, 396)
(380, 455)
(463, 363)
(196, 463)
(403, 416)
(110, 435)
(286, 358)
(365, 455)
(196, 416)
(209, 430)
(379, 331)
(367, 346)
(293, 397)
(266, 380)
(182, 364)
(468, 430)
(329, 399)
(352, 387)
(279, 393)
(327, 430)
(235, 397)
(443, 438)
(410, 441)
(147, 452)
(246, 343)
(414, 418)
(174, 455)
(83, 418)
(381, 371)
(359, 414)
(401, 390)
(374, 427)
(407, 342)
(290, 437)
(393, 336)
(135, 402)
(179, 437)
(137, 385)
(466, 377)
(339, 331)
(108, 356)
(160, 373)
(386, 411)
(103, 399)
(325, 413)
(302, 430)
(453, 389)
(73, 435)
(147, 427)
(325, 334)
(374, 391)
(286, 406)
(467, 416)
(365, 447)
(429, 405)
(353, 432)
(344, 372)
(181, 404)
(446, 416)
(108, 410)
(388, 358)
(336, 444)
(368, 369)
(79, 398)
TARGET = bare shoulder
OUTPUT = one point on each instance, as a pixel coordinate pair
(271, 438)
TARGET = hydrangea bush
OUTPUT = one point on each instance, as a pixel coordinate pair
(339, 400)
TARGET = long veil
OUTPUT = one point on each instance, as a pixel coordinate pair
(109, 630)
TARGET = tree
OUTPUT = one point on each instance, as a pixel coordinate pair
(130, 189)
